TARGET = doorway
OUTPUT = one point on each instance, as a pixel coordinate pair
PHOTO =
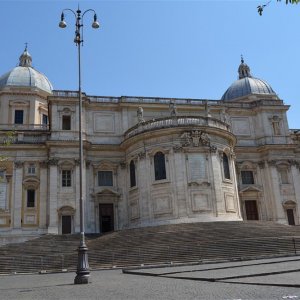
(290, 216)
(66, 224)
(251, 210)
(106, 217)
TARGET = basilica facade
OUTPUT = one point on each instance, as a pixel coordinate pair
(147, 161)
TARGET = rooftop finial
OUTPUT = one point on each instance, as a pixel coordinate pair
(25, 59)
(244, 70)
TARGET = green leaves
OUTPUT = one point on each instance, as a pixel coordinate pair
(260, 8)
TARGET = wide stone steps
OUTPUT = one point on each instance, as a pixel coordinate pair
(178, 243)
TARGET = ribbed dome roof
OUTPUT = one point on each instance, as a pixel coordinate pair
(247, 85)
(25, 76)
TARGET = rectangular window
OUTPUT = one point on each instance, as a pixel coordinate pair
(284, 176)
(19, 115)
(31, 169)
(105, 178)
(45, 119)
(66, 178)
(66, 122)
(30, 198)
(247, 177)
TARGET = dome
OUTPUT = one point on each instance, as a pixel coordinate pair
(25, 76)
(247, 85)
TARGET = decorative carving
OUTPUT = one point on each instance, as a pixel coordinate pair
(77, 161)
(140, 115)
(43, 164)
(232, 154)
(123, 164)
(207, 110)
(19, 164)
(213, 149)
(261, 164)
(293, 162)
(141, 155)
(177, 149)
(195, 138)
(52, 161)
(173, 109)
(202, 184)
(272, 162)
(224, 116)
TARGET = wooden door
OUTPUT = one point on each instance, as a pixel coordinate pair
(66, 224)
(251, 210)
(290, 216)
(106, 217)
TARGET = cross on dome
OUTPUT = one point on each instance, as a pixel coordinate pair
(244, 70)
(25, 59)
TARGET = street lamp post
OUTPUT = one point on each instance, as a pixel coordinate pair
(83, 272)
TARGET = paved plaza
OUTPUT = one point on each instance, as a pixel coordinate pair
(267, 279)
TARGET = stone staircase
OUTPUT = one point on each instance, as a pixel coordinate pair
(180, 243)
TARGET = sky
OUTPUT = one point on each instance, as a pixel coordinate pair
(162, 48)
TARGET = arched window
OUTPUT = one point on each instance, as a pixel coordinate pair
(159, 166)
(226, 166)
(132, 174)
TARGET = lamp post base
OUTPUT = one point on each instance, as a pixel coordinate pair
(82, 272)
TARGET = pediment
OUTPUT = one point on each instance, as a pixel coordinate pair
(250, 188)
(107, 191)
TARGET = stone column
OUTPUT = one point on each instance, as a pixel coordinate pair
(53, 194)
(18, 191)
(216, 161)
(180, 189)
(235, 187)
(275, 194)
(43, 194)
(77, 196)
(145, 181)
(296, 178)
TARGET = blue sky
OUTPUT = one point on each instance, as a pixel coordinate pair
(181, 49)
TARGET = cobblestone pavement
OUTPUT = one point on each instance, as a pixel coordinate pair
(257, 279)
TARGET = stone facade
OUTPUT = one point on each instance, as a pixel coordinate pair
(147, 161)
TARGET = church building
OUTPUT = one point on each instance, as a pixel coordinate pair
(147, 161)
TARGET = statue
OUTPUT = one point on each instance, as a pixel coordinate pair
(173, 110)
(140, 115)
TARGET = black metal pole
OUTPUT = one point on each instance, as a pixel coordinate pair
(82, 272)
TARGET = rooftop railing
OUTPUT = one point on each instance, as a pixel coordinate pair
(24, 127)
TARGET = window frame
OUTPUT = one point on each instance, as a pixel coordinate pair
(252, 181)
(66, 178)
(66, 122)
(226, 166)
(19, 116)
(110, 178)
(132, 174)
(159, 165)
(31, 197)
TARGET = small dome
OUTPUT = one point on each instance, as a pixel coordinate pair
(247, 85)
(25, 76)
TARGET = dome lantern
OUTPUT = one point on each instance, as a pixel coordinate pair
(24, 75)
(25, 59)
(247, 85)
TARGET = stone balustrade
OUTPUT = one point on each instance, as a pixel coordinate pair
(176, 121)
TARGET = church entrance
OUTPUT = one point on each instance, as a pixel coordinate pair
(66, 224)
(290, 216)
(106, 217)
(251, 210)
